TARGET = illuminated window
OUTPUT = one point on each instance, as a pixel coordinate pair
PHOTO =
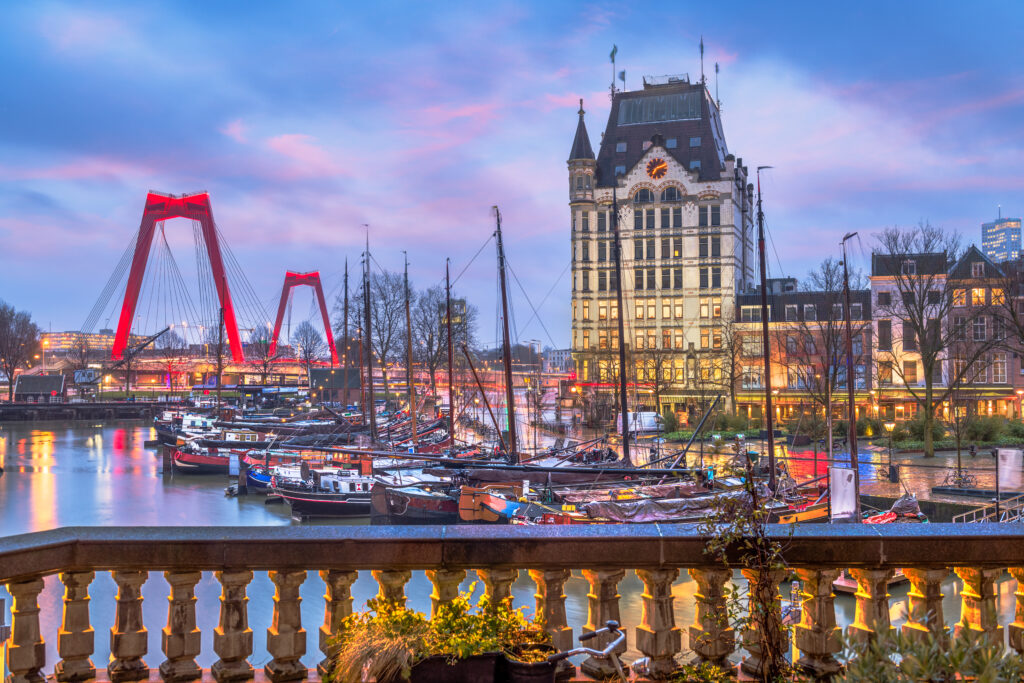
(998, 297)
(602, 312)
(705, 308)
(959, 297)
(978, 296)
(586, 311)
(998, 368)
(666, 309)
(705, 339)
(679, 308)
(586, 339)
(602, 339)
(716, 307)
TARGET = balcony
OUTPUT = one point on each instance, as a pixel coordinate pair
(657, 553)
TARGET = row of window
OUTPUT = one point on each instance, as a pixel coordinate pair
(670, 143)
(647, 309)
(752, 314)
(620, 169)
(709, 216)
(708, 246)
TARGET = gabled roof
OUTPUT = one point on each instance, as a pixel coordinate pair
(581, 148)
(890, 265)
(961, 270)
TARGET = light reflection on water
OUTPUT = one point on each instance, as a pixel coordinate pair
(64, 474)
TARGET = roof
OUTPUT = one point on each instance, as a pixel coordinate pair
(885, 265)
(334, 378)
(39, 384)
(581, 148)
(961, 270)
(678, 109)
(823, 301)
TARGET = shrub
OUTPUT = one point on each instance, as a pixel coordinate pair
(671, 422)
(916, 428)
(965, 657)
(870, 426)
(1015, 429)
(985, 428)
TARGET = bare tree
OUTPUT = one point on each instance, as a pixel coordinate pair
(915, 262)
(19, 341)
(387, 313)
(654, 370)
(171, 348)
(258, 353)
(731, 358)
(78, 354)
(309, 345)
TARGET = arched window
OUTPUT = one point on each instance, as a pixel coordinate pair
(588, 181)
(579, 182)
(644, 196)
(671, 194)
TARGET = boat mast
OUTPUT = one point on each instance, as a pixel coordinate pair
(344, 325)
(850, 378)
(408, 351)
(368, 336)
(362, 382)
(451, 351)
(513, 446)
(764, 338)
(617, 246)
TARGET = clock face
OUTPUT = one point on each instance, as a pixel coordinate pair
(657, 168)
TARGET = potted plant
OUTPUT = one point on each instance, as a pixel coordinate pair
(490, 642)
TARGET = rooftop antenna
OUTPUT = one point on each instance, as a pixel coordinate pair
(1000, 208)
(718, 100)
(702, 60)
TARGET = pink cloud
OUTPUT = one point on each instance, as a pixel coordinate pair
(67, 29)
(236, 131)
(440, 115)
(310, 159)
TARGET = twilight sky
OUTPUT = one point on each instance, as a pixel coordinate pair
(307, 120)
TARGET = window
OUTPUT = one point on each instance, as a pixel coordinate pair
(586, 340)
(978, 269)
(810, 348)
(856, 344)
(679, 308)
(579, 182)
(959, 328)
(908, 299)
(998, 297)
(651, 284)
(999, 368)
(586, 310)
(640, 308)
(998, 328)
(959, 297)
(602, 250)
(585, 225)
(638, 279)
(602, 312)
(650, 249)
(792, 345)
(910, 372)
(750, 314)
(666, 339)
(705, 308)
(677, 217)
(809, 313)
(666, 247)
(884, 335)
(934, 297)
(752, 346)
(650, 219)
(677, 247)
(620, 147)
(705, 339)
(602, 281)
(909, 267)
(716, 339)
(856, 312)
(791, 312)
(638, 250)
(837, 311)
(695, 142)
(620, 170)
(751, 377)
(666, 309)
(884, 372)
(677, 278)
(716, 246)
(643, 196)
(586, 251)
(694, 164)
(702, 247)
(602, 339)
(716, 307)
(671, 143)
(716, 215)
(702, 216)
(716, 277)
(614, 309)
(884, 298)
(704, 281)
(602, 221)
(978, 296)
(666, 278)
(652, 305)
(909, 338)
(639, 341)
(670, 194)
(980, 329)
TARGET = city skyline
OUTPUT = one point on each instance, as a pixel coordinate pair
(305, 126)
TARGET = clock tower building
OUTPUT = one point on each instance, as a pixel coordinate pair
(685, 219)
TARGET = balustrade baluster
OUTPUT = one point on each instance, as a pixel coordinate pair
(446, 586)
(1017, 627)
(232, 639)
(338, 605)
(979, 604)
(286, 639)
(871, 615)
(711, 636)
(764, 636)
(658, 637)
(76, 638)
(817, 636)
(603, 600)
(392, 584)
(924, 614)
(26, 651)
(550, 597)
(128, 636)
(498, 582)
(180, 639)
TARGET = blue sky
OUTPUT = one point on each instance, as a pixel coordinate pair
(307, 120)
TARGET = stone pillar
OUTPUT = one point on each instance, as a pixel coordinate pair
(498, 583)
(128, 637)
(924, 614)
(338, 605)
(232, 638)
(658, 637)
(817, 636)
(76, 638)
(550, 597)
(764, 633)
(603, 601)
(711, 636)
(871, 616)
(1017, 627)
(979, 610)
(26, 651)
(392, 584)
(286, 639)
(180, 638)
(446, 586)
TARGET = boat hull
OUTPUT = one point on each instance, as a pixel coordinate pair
(399, 507)
(199, 463)
(320, 504)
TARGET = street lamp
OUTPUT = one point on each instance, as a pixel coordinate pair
(894, 476)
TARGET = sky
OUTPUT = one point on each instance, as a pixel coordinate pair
(307, 121)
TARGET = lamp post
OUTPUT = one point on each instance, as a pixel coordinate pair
(894, 476)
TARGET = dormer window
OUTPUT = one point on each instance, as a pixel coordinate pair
(644, 196)
(620, 170)
(695, 164)
(909, 267)
(620, 147)
(670, 194)
(671, 143)
(978, 269)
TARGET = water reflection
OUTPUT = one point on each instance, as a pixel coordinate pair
(61, 474)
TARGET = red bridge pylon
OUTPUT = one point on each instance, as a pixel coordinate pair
(297, 280)
(161, 207)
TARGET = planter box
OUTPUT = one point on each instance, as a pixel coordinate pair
(476, 669)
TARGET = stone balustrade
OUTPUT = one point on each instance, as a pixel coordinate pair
(658, 553)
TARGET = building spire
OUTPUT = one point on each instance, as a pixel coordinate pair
(581, 148)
